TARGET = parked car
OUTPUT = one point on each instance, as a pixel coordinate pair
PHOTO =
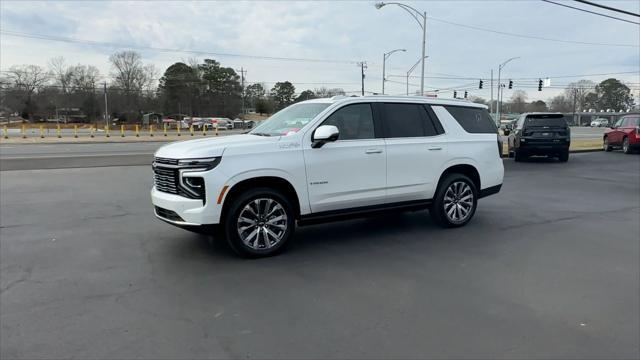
(539, 134)
(624, 134)
(600, 122)
(324, 159)
(243, 124)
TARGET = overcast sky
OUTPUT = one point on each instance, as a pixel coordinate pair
(342, 33)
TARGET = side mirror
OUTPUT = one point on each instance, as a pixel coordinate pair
(324, 134)
(506, 132)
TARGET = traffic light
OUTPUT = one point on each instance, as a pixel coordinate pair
(455, 94)
(510, 84)
(480, 85)
(465, 94)
(540, 85)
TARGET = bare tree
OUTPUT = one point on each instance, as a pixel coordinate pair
(518, 101)
(61, 73)
(85, 77)
(129, 73)
(578, 91)
(28, 79)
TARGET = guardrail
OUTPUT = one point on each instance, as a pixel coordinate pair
(93, 131)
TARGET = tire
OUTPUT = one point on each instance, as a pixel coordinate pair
(517, 155)
(260, 209)
(625, 146)
(564, 156)
(605, 144)
(448, 201)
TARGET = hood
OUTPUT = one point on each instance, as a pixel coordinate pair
(209, 147)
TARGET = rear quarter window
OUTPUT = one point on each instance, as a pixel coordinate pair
(473, 120)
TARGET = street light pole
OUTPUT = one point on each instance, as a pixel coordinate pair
(499, 87)
(417, 16)
(385, 56)
(411, 70)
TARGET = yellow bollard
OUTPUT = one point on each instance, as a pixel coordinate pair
(58, 131)
(75, 131)
(191, 130)
(178, 128)
(204, 130)
(164, 129)
(137, 131)
(6, 132)
(122, 130)
(107, 128)
(42, 131)
(216, 129)
(91, 129)
(151, 130)
(24, 132)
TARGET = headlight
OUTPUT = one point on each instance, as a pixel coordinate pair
(202, 163)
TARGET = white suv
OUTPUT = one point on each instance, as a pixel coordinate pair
(323, 159)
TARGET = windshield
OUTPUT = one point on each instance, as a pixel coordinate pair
(289, 120)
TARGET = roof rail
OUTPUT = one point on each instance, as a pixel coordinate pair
(338, 97)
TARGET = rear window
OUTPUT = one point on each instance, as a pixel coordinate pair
(546, 120)
(473, 120)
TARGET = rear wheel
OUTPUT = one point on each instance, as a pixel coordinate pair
(455, 201)
(564, 156)
(260, 222)
(625, 146)
(605, 144)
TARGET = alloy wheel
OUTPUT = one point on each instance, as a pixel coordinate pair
(262, 223)
(458, 201)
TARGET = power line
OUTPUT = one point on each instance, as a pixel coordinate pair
(591, 12)
(529, 36)
(142, 47)
(608, 7)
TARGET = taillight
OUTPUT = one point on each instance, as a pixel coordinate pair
(638, 132)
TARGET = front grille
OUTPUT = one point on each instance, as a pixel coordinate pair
(166, 180)
(168, 214)
(166, 161)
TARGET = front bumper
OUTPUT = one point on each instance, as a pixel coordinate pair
(188, 212)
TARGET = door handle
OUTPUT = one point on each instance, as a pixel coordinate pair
(373, 151)
(434, 148)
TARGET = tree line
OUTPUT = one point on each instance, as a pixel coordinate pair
(208, 88)
(185, 89)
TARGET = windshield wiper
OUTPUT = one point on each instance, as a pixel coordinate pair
(260, 134)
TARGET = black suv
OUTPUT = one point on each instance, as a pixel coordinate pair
(539, 134)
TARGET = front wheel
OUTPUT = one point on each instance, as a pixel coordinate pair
(517, 155)
(625, 146)
(455, 201)
(605, 144)
(260, 222)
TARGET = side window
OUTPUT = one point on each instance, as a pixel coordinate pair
(520, 122)
(353, 121)
(473, 120)
(407, 120)
(631, 121)
(619, 122)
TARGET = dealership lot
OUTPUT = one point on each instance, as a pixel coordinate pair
(549, 267)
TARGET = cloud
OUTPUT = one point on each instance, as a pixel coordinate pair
(353, 31)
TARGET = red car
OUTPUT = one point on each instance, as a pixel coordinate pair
(624, 134)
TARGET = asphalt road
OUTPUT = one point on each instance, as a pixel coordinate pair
(548, 268)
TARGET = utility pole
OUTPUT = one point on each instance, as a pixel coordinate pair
(575, 96)
(106, 111)
(363, 65)
(491, 103)
(242, 72)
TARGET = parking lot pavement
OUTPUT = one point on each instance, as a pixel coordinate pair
(548, 268)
